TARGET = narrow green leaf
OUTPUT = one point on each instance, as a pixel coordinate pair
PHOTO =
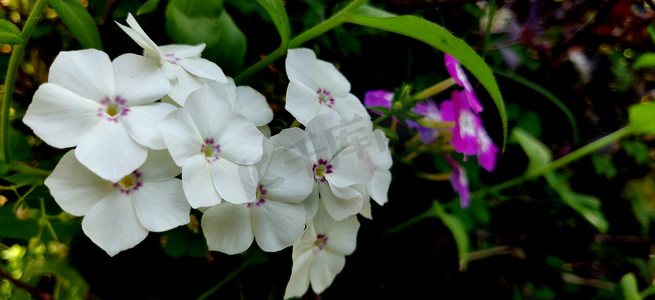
(646, 60)
(438, 37)
(456, 227)
(278, 14)
(641, 117)
(538, 155)
(9, 33)
(79, 21)
(148, 7)
(630, 287)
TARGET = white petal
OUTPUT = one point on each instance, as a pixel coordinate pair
(378, 149)
(351, 165)
(288, 177)
(241, 142)
(198, 184)
(88, 73)
(210, 113)
(161, 205)
(227, 90)
(183, 51)
(138, 35)
(139, 80)
(331, 79)
(110, 152)
(235, 183)
(277, 225)
(60, 117)
(301, 67)
(348, 192)
(113, 225)
(141, 123)
(339, 208)
(203, 68)
(252, 105)
(181, 136)
(159, 165)
(379, 186)
(311, 204)
(349, 107)
(342, 237)
(302, 102)
(325, 267)
(182, 83)
(297, 140)
(74, 187)
(227, 228)
(366, 211)
(299, 279)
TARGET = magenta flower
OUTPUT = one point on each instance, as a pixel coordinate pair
(460, 182)
(456, 72)
(467, 124)
(430, 112)
(487, 150)
(378, 98)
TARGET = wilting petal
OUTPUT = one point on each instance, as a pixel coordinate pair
(60, 117)
(113, 225)
(88, 73)
(228, 228)
(75, 188)
(161, 205)
(277, 225)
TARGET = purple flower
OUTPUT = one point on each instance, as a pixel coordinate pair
(487, 150)
(456, 72)
(378, 98)
(467, 124)
(460, 182)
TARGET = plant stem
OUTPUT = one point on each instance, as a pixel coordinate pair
(435, 89)
(569, 158)
(325, 26)
(10, 79)
(490, 19)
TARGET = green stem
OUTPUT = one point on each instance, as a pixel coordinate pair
(45, 222)
(490, 20)
(325, 26)
(12, 71)
(565, 160)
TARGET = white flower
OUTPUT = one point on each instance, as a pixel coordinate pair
(118, 215)
(277, 218)
(216, 149)
(181, 64)
(377, 146)
(319, 255)
(317, 87)
(106, 108)
(339, 161)
(245, 100)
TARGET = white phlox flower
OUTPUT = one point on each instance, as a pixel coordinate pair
(216, 148)
(246, 101)
(339, 161)
(107, 109)
(319, 254)
(317, 87)
(275, 220)
(181, 64)
(377, 146)
(118, 215)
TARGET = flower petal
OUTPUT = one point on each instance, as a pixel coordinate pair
(181, 136)
(241, 141)
(343, 236)
(331, 79)
(159, 165)
(160, 205)
(88, 73)
(228, 228)
(139, 35)
(301, 67)
(339, 208)
(299, 279)
(211, 114)
(203, 68)
(75, 188)
(182, 83)
(302, 102)
(183, 51)
(288, 177)
(113, 225)
(325, 267)
(297, 140)
(277, 225)
(235, 183)
(139, 80)
(251, 104)
(378, 188)
(109, 151)
(141, 123)
(311, 204)
(198, 184)
(60, 117)
(352, 165)
(349, 107)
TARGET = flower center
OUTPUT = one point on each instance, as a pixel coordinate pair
(320, 242)
(112, 109)
(325, 98)
(129, 183)
(466, 124)
(321, 169)
(210, 149)
(171, 58)
(260, 192)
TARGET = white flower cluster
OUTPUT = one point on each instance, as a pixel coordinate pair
(139, 122)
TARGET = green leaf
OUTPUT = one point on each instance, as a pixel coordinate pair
(537, 152)
(457, 228)
(278, 14)
(13, 227)
(148, 7)
(79, 21)
(9, 33)
(603, 165)
(641, 117)
(646, 60)
(72, 284)
(636, 149)
(438, 37)
(629, 287)
(641, 193)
